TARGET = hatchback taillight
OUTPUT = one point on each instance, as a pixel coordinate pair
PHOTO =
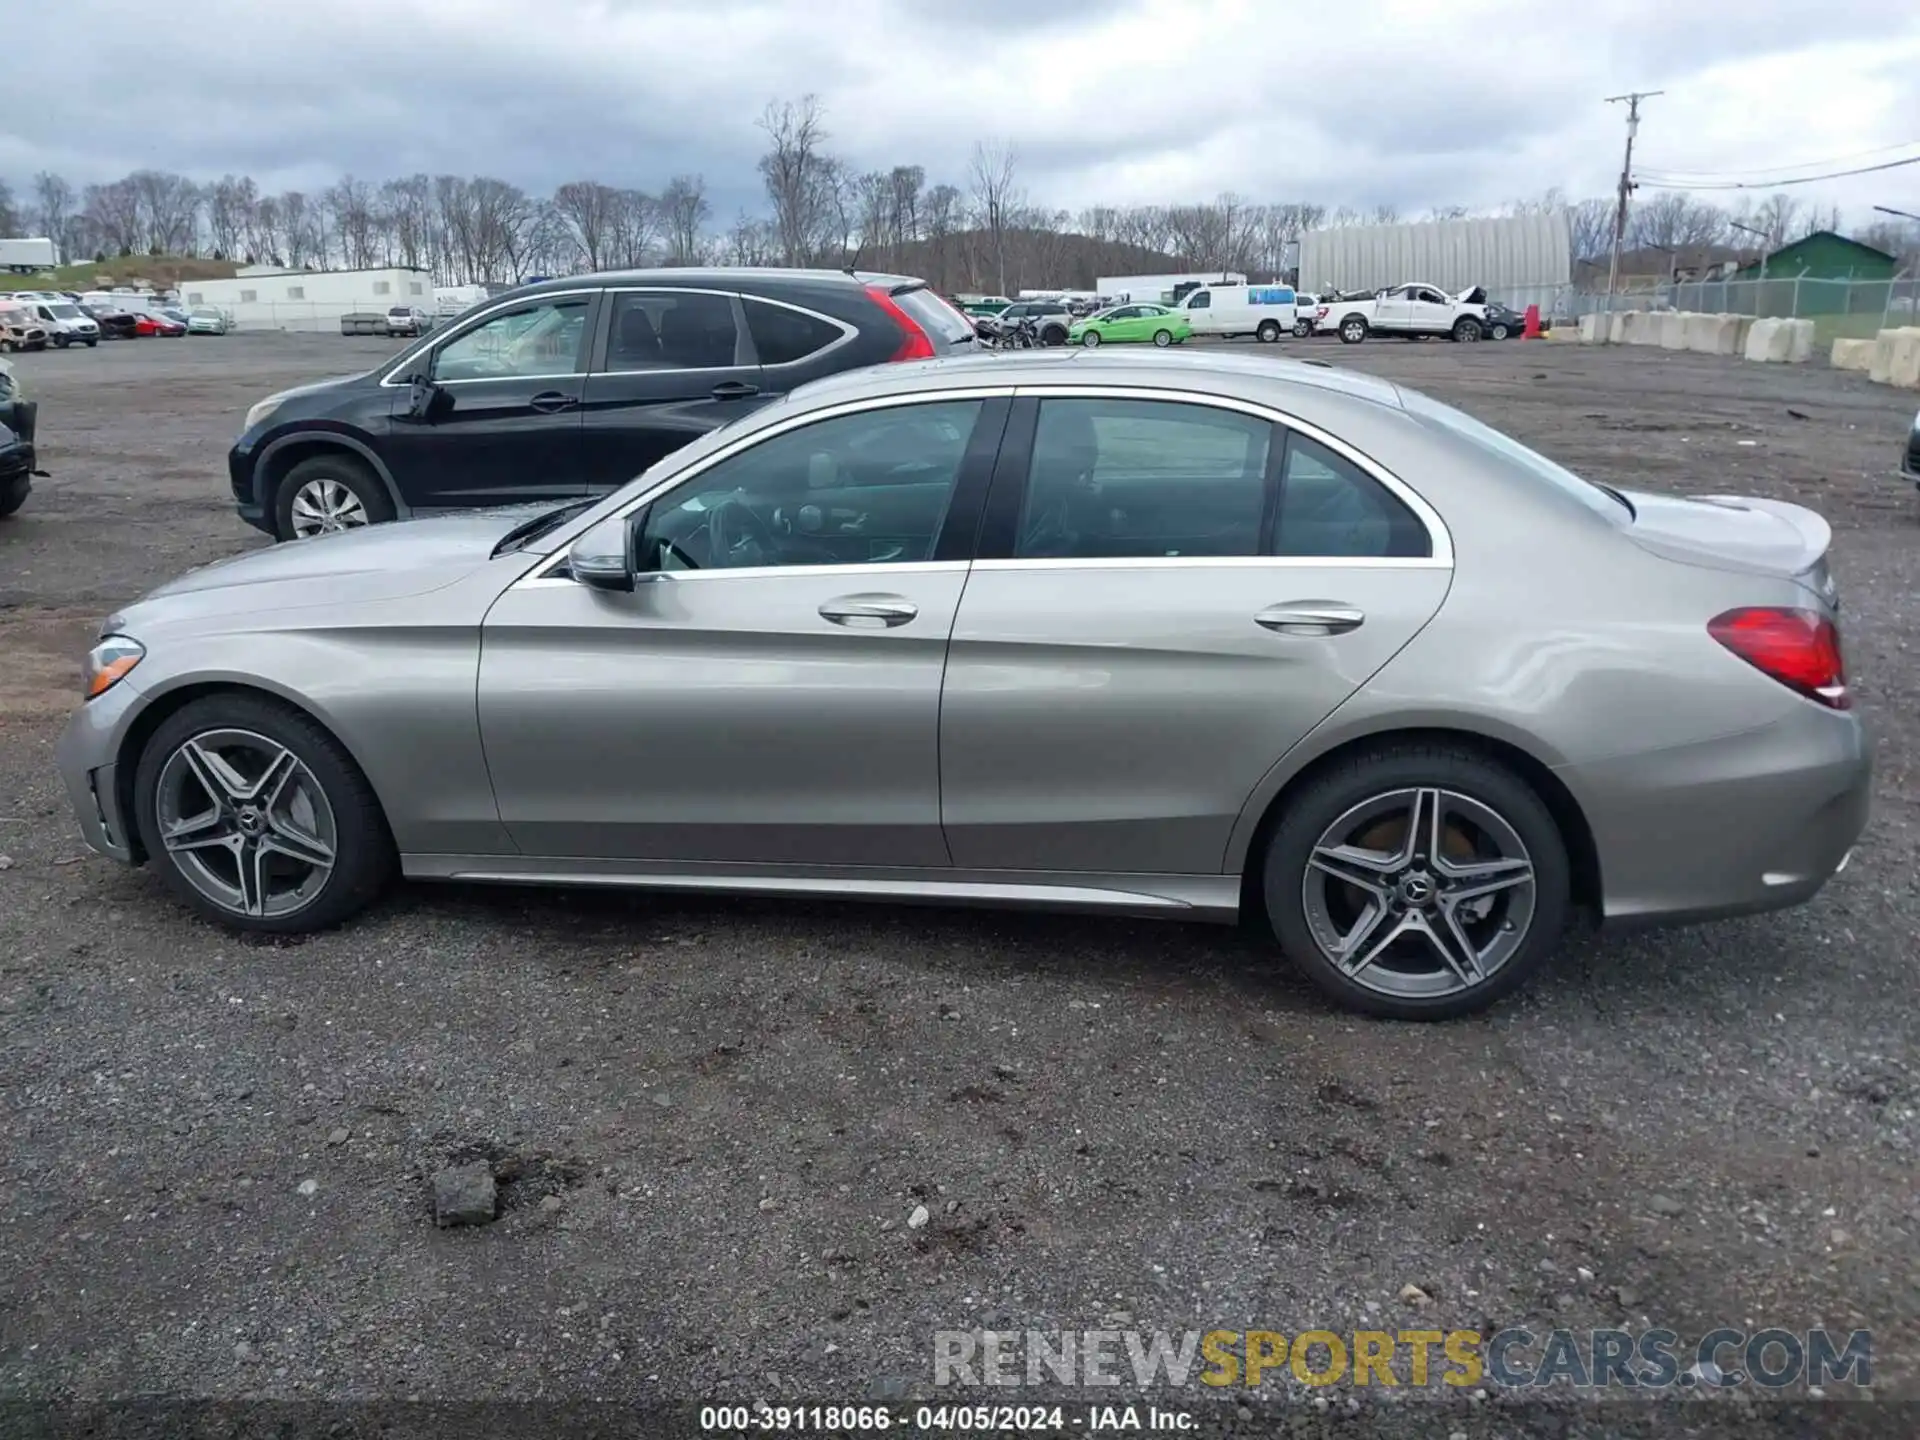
(1799, 648)
(915, 345)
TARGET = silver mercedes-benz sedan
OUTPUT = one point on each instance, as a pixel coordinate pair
(1198, 636)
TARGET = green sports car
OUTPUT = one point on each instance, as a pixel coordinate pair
(1131, 325)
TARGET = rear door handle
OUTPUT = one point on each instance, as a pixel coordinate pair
(869, 612)
(551, 402)
(734, 390)
(1311, 617)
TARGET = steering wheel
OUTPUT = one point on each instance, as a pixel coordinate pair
(732, 526)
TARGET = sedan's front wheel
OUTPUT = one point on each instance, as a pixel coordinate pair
(1421, 882)
(258, 818)
(1091, 339)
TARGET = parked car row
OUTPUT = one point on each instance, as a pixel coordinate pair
(17, 462)
(62, 318)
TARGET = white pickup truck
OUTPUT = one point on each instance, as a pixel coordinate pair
(1412, 309)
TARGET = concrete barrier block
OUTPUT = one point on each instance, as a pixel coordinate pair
(1799, 341)
(1617, 327)
(1880, 367)
(1713, 334)
(1768, 342)
(1905, 370)
(1852, 355)
(1742, 327)
(1673, 329)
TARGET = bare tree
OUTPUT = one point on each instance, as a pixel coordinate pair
(408, 205)
(1591, 221)
(752, 242)
(798, 175)
(1448, 212)
(55, 198)
(636, 228)
(169, 208)
(350, 203)
(230, 204)
(302, 229)
(113, 211)
(589, 210)
(991, 175)
(684, 211)
(9, 212)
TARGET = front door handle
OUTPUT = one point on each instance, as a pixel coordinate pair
(869, 612)
(551, 402)
(734, 390)
(1311, 617)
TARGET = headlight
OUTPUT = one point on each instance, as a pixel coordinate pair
(108, 663)
(261, 411)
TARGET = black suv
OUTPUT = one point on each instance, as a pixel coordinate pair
(567, 388)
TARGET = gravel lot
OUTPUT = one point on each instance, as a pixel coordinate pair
(721, 1113)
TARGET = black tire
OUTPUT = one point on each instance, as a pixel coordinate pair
(1354, 329)
(1302, 329)
(1499, 332)
(340, 467)
(13, 494)
(1090, 339)
(60, 342)
(1268, 332)
(1163, 338)
(93, 342)
(1053, 335)
(364, 857)
(1466, 330)
(1328, 797)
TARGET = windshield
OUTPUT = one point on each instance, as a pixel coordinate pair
(1600, 498)
(65, 312)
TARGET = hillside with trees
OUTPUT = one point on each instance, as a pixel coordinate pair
(982, 230)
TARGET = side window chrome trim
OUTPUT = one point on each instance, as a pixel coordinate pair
(568, 534)
(1439, 538)
(1221, 562)
(540, 579)
(469, 324)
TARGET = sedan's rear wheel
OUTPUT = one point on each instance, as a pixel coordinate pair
(1419, 883)
(1163, 338)
(258, 818)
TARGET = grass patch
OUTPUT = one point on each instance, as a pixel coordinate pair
(160, 271)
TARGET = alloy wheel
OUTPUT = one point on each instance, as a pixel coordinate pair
(323, 506)
(246, 823)
(1419, 893)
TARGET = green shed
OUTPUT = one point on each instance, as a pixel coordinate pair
(1823, 255)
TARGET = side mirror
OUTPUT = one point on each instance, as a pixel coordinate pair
(602, 557)
(425, 394)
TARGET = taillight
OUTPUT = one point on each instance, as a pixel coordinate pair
(916, 345)
(1799, 648)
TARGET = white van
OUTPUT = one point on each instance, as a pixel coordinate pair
(1264, 311)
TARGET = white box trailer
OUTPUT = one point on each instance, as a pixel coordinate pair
(1265, 312)
(1160, 289)
(27, 256)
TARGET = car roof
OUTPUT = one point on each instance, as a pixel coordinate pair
(1203, 369)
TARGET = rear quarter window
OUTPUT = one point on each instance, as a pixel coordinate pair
(782, 336)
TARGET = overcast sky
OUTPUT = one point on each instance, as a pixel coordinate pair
(1407, 102)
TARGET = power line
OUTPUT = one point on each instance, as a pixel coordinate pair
(1632, 101)
(1778, 184)
(1671, 171)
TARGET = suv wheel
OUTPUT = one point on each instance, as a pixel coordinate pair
(329, 492)
(1420, 882)
(258, 818)
(1467, 329)
(1353, 330)
(13, 494)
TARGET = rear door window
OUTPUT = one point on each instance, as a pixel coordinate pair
(1143, 479)
(672, 330)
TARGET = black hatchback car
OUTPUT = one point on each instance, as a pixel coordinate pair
(567, 389)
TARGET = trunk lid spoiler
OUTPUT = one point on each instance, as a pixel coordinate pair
(1736, 532)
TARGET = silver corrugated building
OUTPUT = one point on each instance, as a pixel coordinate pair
(1521, 259)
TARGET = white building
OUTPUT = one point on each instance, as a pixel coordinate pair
(309, 299)
(1521, 259)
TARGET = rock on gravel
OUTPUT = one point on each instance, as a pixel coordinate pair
(464, 1195)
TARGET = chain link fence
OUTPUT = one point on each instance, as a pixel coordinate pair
(1854, 309)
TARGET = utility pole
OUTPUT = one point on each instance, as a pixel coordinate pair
(1632, 102)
